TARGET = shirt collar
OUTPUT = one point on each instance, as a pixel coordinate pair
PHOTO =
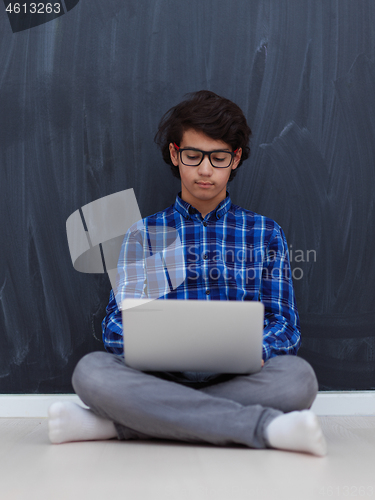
(186, 210)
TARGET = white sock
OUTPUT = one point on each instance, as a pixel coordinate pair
(297, 431)
(70, 422)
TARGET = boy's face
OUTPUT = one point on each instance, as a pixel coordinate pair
(204, 186)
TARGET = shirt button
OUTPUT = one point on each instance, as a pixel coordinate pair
(205, 256)
(205, 223)
(207, 292)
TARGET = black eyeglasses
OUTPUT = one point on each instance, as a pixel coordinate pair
(192, 157)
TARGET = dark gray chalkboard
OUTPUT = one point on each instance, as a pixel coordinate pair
(80, 100)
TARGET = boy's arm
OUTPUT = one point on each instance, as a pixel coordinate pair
(131, 274)
(131, 282)
(112, 327)
(281, 323)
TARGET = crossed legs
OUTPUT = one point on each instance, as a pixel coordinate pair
(130, 404)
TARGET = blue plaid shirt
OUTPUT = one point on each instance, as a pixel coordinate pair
(230, 254)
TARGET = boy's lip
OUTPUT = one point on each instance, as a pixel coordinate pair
(203, 183)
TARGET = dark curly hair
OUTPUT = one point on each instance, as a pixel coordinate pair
(204, 111)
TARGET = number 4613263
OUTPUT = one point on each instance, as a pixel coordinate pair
(34, 8)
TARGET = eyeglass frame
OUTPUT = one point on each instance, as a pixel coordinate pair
(205, 153)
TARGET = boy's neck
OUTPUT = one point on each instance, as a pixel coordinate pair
(203, 206)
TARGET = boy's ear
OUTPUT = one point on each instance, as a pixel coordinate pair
(174, 154)
(237, 158)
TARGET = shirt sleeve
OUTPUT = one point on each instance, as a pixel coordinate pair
(130, 283)
(281, 323)
(112, 327)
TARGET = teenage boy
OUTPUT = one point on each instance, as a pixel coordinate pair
(204, 139)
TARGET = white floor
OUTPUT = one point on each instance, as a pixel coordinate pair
(32, 468)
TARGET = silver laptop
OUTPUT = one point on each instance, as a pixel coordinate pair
(193, 335)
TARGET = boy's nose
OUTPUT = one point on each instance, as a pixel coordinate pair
(205, 168)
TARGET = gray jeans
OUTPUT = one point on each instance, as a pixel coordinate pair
(221, 409)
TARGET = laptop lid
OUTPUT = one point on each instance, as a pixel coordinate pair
(193, 335)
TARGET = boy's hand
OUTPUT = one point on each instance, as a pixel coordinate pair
(262, 363)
